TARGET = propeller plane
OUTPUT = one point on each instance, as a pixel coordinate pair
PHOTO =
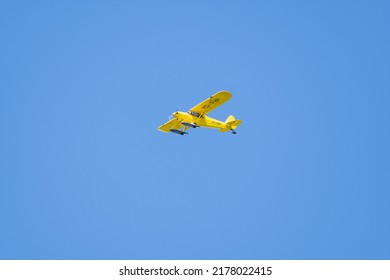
(196, 117)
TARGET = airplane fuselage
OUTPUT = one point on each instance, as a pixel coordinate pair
(204, 121)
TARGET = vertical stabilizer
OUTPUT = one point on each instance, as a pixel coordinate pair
(230, 118)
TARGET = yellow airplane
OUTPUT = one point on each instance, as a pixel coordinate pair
(196, 117)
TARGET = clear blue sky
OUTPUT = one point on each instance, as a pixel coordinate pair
(84, 174)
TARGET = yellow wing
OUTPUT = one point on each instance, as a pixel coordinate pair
(172, 124)
(212, 102)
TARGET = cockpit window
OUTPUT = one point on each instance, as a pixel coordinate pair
(194, 113)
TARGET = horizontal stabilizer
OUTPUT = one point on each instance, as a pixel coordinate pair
(232, 123)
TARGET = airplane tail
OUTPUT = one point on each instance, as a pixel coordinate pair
(231, 123)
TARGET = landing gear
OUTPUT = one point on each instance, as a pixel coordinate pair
(233, 131)
(181, 132)
(193, 125)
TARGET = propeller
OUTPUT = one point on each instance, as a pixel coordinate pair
(170, 116)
